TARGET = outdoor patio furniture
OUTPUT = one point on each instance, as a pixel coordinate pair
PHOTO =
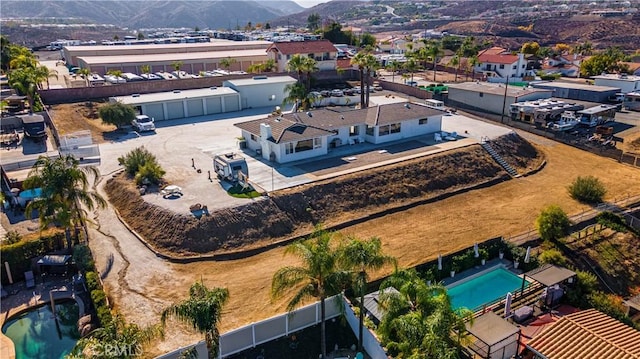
(522, 314)
(29, 279)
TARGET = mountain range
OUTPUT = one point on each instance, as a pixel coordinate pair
(213, 14)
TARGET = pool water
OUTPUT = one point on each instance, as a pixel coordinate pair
(484, 288)
(35, 335)
(30, 194)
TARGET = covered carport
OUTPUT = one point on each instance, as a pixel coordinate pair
(183, 103)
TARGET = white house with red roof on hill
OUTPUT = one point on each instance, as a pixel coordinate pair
(322, 51)
(497, 63)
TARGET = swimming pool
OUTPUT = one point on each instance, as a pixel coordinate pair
(34, 333)
(484, 288)
(30, 194)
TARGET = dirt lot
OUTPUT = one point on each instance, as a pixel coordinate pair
(74, 117)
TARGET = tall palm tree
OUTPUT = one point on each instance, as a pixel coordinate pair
(359, 60)
(203, 310)
(310, 65)
(364, 255)
(85, 73)
(177, 65)
(434, 50)
(418, 318)
(145, 69)
(297, 64)
(65, 186)
(411, 66)
(394, 66)
(25, 82)
(296, 94)
(455, 62)
(366, 63)
(473, 62)
(269, 65)
(319, 276)
(43, 74)
(115, 72)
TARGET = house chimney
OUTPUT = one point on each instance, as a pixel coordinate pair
(265, 131)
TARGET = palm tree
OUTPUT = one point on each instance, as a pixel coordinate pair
(116, 334)
(319, 276)
(359, 61)
(473, 62)
(43, 73)
(411, 66)
(434, 50)
(298, 96)
(366, 63)
(65, 186)
(203, 310)
(177, 65)
(363, 255)
(296, 64)
(145, 69)
(394, 66)
(227, 63)
(418, 318)
(25, 82)
(455, 62)
(115, 72)
(310, 65)
(269, 65)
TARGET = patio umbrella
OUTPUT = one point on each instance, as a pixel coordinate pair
(507, 305)
(475, 250)
(527, 256)
(439, 261)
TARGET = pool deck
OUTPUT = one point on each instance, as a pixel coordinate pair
(21, 299)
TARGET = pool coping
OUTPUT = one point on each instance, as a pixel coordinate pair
(475, 271)
(7, 349)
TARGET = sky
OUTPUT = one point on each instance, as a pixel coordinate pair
(310, 3)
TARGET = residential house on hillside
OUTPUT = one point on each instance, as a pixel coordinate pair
(322, 51)
(634, 68)
(497, 64)
(298, 136)
(567, 65)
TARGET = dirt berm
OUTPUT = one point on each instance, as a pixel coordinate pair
(294, 211)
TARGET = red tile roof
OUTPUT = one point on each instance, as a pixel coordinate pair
(496, 50)
(303, 47)
(498, 59)
(587, 334)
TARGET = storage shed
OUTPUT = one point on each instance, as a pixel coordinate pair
(261, 91)
(184, 103)
(581, 92)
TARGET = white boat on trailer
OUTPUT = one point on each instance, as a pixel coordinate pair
(568, 120)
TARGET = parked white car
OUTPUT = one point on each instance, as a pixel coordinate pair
(143, 123)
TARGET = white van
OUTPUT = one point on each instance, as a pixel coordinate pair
(438, 105)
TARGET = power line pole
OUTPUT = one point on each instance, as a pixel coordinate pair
(504, 101)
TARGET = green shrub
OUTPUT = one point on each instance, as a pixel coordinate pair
(99, 297)
(117, 114)
(586, 283)
(142, 165)
(553, 256)
(12, 237)
(104, 315)
(82, 258)
(92, 281)
(587, 189)
(552, 223)
(612, 220)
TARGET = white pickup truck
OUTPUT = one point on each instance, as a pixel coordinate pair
(143, 123)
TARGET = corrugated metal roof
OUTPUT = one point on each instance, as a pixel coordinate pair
(303, 47)
(587, 334)
(137, 99)
(185, 57)
(260, 80)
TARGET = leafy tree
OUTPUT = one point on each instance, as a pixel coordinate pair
(177, 65)
(203, 310)
(117, 333)
(25, 82)
(553, 256)
(452, 43)
(117, 113)
(552, 223)
(531, 48)
(367, 39)
(142, 164)
(116, 37)
(227, 63)
(606, 61)
(335, 34)
(65, 186)
(140, 36)
(587, 189)
(313, 22)
(361, 256)
(561, 48)
(418, 320)
(585, 48)
(4, 52)
(267, 26)
(319, 276)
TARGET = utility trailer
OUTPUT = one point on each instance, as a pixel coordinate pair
(231, 167)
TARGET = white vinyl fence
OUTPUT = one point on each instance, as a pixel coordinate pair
(369, 342)
(276, 327)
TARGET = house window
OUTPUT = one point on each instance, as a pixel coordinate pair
(288, 57)
(481, 94)
(369, 130)
(501, 66)
(326, 56)
(253, 137)
(311, 56)
(288, 148)
(394, 128)
(304, 145)
(383, 130)
(523, 66)
(515, 67)
(279, 56)
(354, 131)
(423, 121)
(317, 142)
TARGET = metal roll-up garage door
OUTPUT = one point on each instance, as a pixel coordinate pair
(213, 105)
(195, 108)
(231, 104)
(154, 111)
(175, 110)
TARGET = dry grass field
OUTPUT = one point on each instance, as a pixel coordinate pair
(419, 234)
(72, 117)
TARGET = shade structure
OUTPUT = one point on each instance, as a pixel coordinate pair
(527, 256)
(439, 261)
(475, 250)
(507, 305)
